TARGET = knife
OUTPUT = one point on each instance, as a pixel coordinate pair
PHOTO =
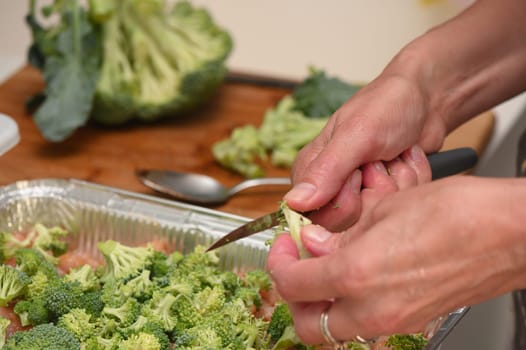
(442, 164)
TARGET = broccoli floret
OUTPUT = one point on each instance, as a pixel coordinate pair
(209, 300)
(406, 341)
(122, 261)
(13, 283)
(79, 323)
(61, 296)
(139, 287)
(32, 261)
(258, 279)
(91, 302)
(160, 264)
(160, 309)
(49, 241)
(9, 245)
(250, 297)
(32, 312)
(126, 314)
(140, 341)
(281, 319)
(4, 323)
(85, 276)
(43, 337)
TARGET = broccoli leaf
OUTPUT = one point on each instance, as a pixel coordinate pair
(319, 96)
(70, 56)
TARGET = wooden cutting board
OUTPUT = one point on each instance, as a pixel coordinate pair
(111, 155)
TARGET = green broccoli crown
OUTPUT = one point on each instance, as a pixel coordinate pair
(79, 323)
(13, 283)
(49, 241)
(32, 261)
(406, 341)
(141, 341)
(281, 319)
(85, 276)
(161, 310)
(42, 337)
(60, 296)
(122, 261)
(139, 287)
(32, 312)
(126, 314)
(9, 245)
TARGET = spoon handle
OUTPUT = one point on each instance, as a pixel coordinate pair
(243, 185)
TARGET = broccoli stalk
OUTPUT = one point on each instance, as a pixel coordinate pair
(295, 221)
(4, 323)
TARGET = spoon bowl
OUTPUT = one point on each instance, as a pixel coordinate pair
(198, 188)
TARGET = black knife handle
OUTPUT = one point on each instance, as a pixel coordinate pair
(452, 162)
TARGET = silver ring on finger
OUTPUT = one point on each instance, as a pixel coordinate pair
(329, 338)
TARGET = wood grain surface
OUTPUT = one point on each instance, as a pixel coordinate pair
(111, 155)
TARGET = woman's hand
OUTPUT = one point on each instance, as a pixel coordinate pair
(414, 255)
(385, 118)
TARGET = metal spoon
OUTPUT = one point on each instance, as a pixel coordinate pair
(197, 188)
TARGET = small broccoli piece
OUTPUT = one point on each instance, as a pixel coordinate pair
(160, 264)
(112, 294)
(91, 302)
(160, 309)
(9, 245)
(406, 341)
(49, 241)
(13, 283)
(250, 297)
(199, 337)
(122, 261)
(79, 323)
(126, 314)
(281, 319)
(258, 279)
(32, 312)
(85, 276)
(42, 337)
(32, 261)
(4, 323)
(102, 343)
(61, 296)
(289, 340)
(139, 287)
(140, 341)
(209, 300)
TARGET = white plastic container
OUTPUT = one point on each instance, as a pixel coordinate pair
(9, 135)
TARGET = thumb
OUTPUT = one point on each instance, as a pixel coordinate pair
(318, 241)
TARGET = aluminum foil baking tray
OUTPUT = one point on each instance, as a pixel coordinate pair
(94, 213)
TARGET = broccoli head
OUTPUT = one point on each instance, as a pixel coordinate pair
(406, 341)
(32, 312)
(141, 341)
(32, 261)
(49, 241)
(126, 314)
(9, 245)
(13, 283)
(281, 319)
(161, 310)
(79, 323)
(42, 337)
(85, 276)
(157, 60)
(60, 296)
(123, 261)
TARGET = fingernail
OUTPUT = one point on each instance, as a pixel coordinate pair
(416, 153)
(301, 192)
(380, 167)
(356, 181)
(316, 233)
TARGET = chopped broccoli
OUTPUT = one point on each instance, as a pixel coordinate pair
(123, 261)
(406, 341)
(42, 337)
(32, 312)
(85, 276)
(140, 341)
(9, 245)
(4, 323)
(258, 279)
(139, 287)
(126, 314)
(79, 323)
(281, 319)
(160, 309)
(13, 283)
(49, 241)
(32, 261)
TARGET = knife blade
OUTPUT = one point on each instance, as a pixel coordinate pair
(442, 164)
